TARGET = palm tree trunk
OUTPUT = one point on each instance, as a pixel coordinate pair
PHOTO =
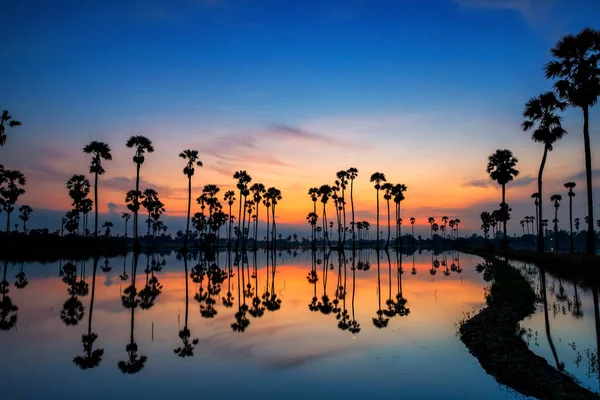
(590, 242)
(377, 191)
(274, 234)
(596, 319)
(8, 221)
(547, 321)
(187, 222)
(92, 295)
(136, 243)
(505, 237)
(389, 226)
(540, 228)
(268, 225)
(256, 227)
(95, 207)
(572, 244)
(556, 227)
(237, 239)
(352, 204)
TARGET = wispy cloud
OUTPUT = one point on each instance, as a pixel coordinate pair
(486, 183)
(580, 176)
(290, 132)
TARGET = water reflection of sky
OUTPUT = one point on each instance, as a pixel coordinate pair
(291, 352)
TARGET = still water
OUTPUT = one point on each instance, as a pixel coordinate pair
(289, 324)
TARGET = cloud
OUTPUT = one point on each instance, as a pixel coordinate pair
(112, 208)
(479, 183)
(486, 183)
(289, 132)
(580, 176)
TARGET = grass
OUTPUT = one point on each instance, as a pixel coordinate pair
(494, 337)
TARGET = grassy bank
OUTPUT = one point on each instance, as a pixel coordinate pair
(580, 267)
(493, 336)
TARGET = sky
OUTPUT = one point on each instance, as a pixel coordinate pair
(292, 92)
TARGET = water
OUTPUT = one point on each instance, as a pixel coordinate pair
(572, 331)
(297, 348)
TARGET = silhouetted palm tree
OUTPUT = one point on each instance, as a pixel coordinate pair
(343, 177)
(377, 177)
(380, 321)
(258, 190)
(6, 119)
(570, 186)
(10, 192)
(556, 198)
(559, 365)
(243, 180)
(542, 110)
(325, 193)
(192, 161)
(577, 221)
(100, 151)
(126, 216)
(352, 174)
(501, 167)
(273, 195)
(25, 211)
(536, 201)
(107, 225)
(142, 145)
(387, 196)
(575, 65)
(230, 199)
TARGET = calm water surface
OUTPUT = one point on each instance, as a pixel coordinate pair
(286, 325)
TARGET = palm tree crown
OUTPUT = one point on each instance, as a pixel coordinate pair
(6, 119)
(501, 166)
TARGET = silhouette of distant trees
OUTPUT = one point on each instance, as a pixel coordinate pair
(6, 119)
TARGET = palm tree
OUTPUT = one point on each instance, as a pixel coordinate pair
(25, 211)
(100, 151)
(387, 195)
(273, 195)
(343, 177)
(142, 145)
(6, 119)
(230, 199)
(126, 216)
(535, 196)
(10, 192)
(445, 221)
(398, 193)
(575, 65)
(542, 110)
(577, 221)
(431, 221)
(243, 180)
(187, 350)
(501, 167)
(107, 225)
(378, 177)
(456, 223)
(325, 193)
(258, 190)
(570, 186)
(352, 174)
(556, 198)
(192, 161)
(523, 225)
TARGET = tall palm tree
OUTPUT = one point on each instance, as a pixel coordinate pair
(126, 216)
(378, 177)
(243, 180)
(230, 199)
(192, 162)
(274, 195)
(314, 196)
(25, 211)
(100, 151)
(556, 198)
(343, 177)
(456, 224)
(412, 223)
(431, 221)
(398, 193)
(501, 167)
(541, 111)
(10, 192)
(536, 201)
(352, 174)
(575, 65)
(387, 195)
(325, 193)
(142, 146)
(6, 119)
(445, 221)
(570, 186)
(258, 190)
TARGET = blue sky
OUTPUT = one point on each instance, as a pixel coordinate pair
(441, 81)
